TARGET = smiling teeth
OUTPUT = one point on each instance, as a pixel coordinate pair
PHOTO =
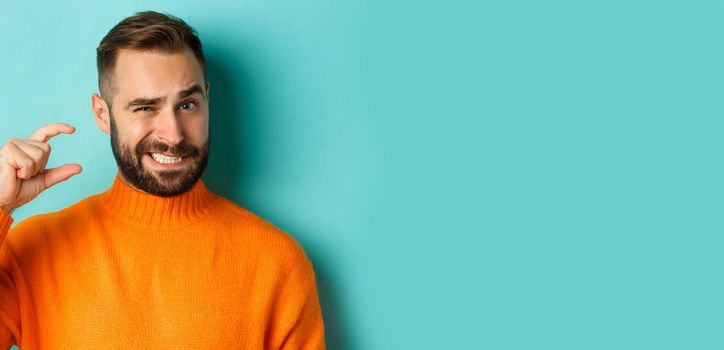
(165, 159)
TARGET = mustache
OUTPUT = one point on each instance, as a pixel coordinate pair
(182, 149)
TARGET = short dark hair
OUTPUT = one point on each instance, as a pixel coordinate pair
(145, 31)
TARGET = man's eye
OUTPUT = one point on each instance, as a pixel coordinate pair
(188, 105)
(143, 109)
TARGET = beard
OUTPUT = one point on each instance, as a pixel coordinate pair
(164, 183)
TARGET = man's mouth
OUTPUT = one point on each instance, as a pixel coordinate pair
(165, 159)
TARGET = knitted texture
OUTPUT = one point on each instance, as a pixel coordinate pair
(123, 269)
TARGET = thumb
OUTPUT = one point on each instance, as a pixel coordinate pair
(61, 173)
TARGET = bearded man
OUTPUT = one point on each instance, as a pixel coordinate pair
(158, 260)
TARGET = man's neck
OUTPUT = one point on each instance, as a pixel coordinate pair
(120, 176)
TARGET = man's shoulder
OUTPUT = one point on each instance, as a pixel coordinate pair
(57, 220)
(275, 242)
(238, 216)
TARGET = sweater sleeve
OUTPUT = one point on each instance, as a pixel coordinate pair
(301, 324)
(9, 310)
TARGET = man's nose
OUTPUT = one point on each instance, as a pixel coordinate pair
(168, 127)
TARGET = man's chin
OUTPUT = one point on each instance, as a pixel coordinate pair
(166, 189)
(167, 178)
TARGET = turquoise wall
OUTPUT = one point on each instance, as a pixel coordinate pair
(463, 175)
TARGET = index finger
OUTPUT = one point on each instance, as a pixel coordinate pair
(49, 130)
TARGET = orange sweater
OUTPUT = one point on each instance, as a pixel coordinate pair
(123, 270)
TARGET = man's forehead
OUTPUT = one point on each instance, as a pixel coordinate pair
(181, 90)
(155, 74)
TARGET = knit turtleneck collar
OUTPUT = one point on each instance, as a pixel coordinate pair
(143, 208)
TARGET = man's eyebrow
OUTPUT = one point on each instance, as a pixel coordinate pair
(192, 90)
(145, 101)
(141, 101)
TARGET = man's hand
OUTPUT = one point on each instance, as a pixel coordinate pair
(22, 167)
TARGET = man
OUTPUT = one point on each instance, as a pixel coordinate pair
(158, 260)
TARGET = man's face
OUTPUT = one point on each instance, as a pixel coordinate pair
(159, 121)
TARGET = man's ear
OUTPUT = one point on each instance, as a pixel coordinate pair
(101, 113)
(208, 87)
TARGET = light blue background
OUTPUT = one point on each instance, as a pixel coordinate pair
(497, 175)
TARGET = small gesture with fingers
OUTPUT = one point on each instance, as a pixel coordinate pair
(22, 166)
